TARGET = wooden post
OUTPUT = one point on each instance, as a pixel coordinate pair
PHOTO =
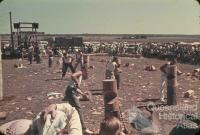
(86, 60)
(11, 32)
(111, 101)
(171, 85)
(1, 79)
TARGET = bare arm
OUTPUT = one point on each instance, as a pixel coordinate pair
(118, 63)
(72, 58)
(76, 75)
(163, 68)
(80, 92)
(51, 109)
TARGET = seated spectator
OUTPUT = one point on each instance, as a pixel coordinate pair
(111, 126)
(57, 119)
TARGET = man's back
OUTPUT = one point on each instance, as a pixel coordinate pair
(66, 119)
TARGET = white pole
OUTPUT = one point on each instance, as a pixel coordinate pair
(1, 80)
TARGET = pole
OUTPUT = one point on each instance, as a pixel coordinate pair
(11, 32)
(36, 35)
(171, 85)
(1, 79)
(86, 60)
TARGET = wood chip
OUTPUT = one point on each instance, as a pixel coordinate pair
(28, 98)
(96, 113)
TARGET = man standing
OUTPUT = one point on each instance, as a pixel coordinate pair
(50, 58)
(117, 70)
(60, 61)
(37, 53)
(79, 59)
(30, 54)
(67, 62)
(71, 97)
(113, 70)
(163, 86)
(164, 76)
(110, 68)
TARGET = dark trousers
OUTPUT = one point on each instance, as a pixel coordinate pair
(65, 67)
(30, 58)
(50, 62)
(79, 61)
(37, 58)
(117, 77)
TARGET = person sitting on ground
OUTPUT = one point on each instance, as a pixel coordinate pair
(71, 96)
(111, 126)
(57, 119)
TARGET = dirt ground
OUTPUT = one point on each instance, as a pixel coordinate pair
(137, 88)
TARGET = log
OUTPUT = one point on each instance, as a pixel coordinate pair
(111, 101)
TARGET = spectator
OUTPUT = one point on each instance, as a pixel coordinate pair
(57, 119)
(111, 126)
(67, 62)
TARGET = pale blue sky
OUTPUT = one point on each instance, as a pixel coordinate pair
(105, 16)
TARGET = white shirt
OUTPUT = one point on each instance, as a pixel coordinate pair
(111, 66)
(66, 117)
(67, 59)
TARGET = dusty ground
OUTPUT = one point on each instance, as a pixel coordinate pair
(137, 87)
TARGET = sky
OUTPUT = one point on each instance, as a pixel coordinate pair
(104, 16)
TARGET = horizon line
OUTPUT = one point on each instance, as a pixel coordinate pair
(111, 34)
